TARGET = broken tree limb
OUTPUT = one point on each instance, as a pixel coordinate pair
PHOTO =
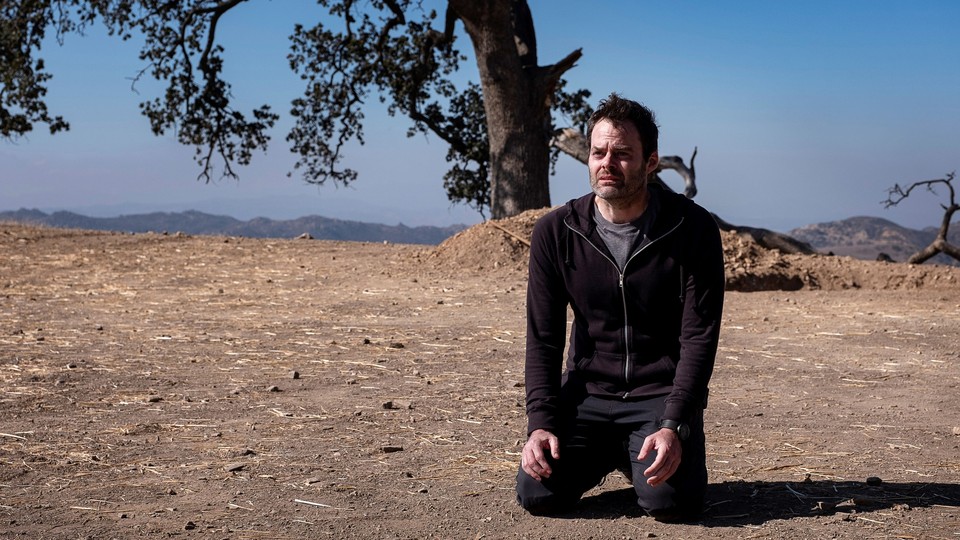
(575, 144)
(689, 174)
(940, 244)
(767, 238)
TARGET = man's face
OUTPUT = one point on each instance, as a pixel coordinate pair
(618, 172)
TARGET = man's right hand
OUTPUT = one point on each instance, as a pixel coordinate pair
(533, 460)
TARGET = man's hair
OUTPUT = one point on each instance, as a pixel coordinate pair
(617, 109)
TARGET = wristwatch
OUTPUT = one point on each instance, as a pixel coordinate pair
(682, 430)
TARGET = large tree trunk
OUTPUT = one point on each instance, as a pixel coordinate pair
(516, 102)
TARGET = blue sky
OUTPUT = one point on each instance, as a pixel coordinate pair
(803, 112)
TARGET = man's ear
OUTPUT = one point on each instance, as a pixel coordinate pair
(653, 162)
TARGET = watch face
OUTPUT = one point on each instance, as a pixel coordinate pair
(683, 431)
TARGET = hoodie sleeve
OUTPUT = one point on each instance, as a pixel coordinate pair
(703, 289)
(546, 325)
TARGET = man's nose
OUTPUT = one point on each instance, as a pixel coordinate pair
(606, 161)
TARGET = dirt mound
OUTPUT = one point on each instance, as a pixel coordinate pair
(751, 267)
(503, 246)
(500, 245)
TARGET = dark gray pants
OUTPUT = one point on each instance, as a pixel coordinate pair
(604, 435)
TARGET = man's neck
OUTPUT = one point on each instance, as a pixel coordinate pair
(617, 211)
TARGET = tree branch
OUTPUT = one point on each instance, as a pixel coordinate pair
(689, 174)
(218, 11)
(574, 144)
(571, 142)
(549, 76)
(395, 21)
(940, 244)
(557, 70)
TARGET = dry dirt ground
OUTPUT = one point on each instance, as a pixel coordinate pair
(165, 386)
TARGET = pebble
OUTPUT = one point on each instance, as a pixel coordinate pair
(397, 404)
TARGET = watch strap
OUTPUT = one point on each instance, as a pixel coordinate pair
(672, 425)
(682, 430)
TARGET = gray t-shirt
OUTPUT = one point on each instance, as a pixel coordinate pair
(622, 239)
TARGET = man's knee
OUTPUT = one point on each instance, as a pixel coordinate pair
(537, 499)
(550, 505)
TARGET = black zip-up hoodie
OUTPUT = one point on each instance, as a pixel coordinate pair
(650, 331)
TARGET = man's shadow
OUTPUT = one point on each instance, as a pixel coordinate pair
(754, 503)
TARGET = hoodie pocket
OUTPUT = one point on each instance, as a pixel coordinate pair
(601, 366)
(662, 369)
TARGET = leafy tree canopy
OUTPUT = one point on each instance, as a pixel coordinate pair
(397, 51)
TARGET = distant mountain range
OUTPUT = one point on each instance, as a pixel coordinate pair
(858, 237)
(867, 237)
(192, 222)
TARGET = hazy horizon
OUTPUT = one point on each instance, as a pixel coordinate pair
(111, 213)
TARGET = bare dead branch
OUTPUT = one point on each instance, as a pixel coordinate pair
(940, 244)
(573, 143)
(552, 73)
(689, 174)
(767, 238)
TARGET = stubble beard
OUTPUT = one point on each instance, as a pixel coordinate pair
(630, 189)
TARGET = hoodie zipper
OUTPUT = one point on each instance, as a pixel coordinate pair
(623, 294)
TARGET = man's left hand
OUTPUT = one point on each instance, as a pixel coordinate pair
(668, 448)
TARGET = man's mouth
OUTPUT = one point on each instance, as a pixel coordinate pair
(608, 177)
